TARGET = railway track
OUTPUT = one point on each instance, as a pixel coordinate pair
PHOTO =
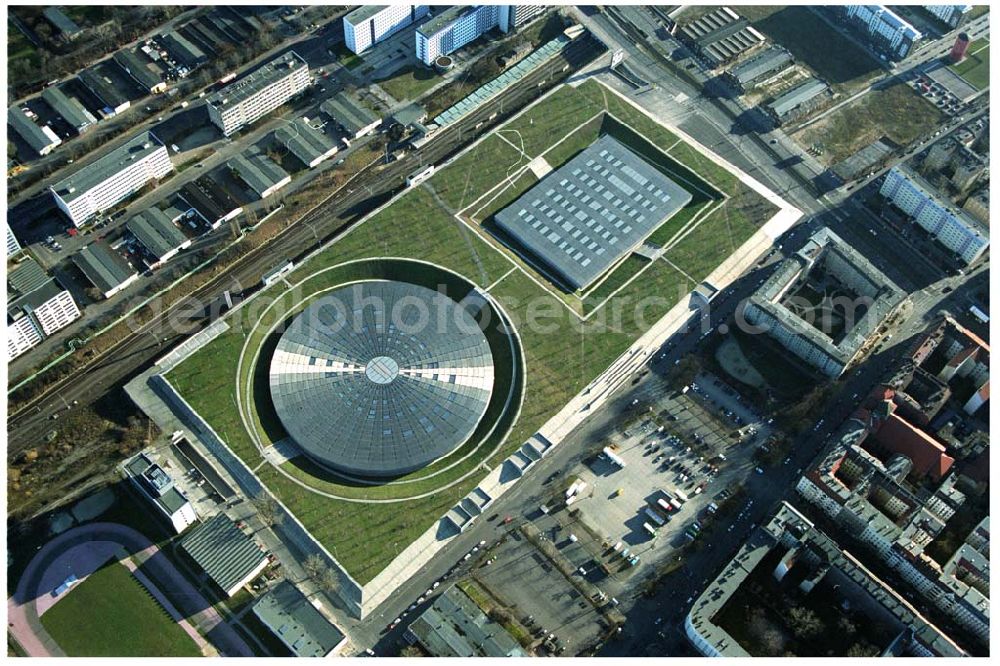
(327, 221)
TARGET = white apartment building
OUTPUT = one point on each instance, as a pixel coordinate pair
(369, 24)
(22, 335)
(254, 96)
(37, 315)
(112, 178)
(885, 30)
(952, 15)
(956, 230)
(13, 247)
(454, 28)
(513, 17)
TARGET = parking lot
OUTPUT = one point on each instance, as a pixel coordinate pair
(693, 444)
(542, 600)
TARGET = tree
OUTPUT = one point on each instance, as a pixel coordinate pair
(268, 510)
(321, 575)
(684, 372)
(411, 651)
(804, 622)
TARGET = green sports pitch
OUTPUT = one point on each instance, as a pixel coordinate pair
(445, 221)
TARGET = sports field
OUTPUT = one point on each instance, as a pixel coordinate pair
(110, 614)
(567, 339)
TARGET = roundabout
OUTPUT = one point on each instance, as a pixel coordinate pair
(380, 381)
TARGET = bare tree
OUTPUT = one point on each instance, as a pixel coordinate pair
(321, 574)
(268, 510)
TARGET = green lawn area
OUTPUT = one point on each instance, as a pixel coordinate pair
(18, 47)
(835, 58)
(561, 354)
(897, 112)
(410, 82)
(976, 67)
(110, 614)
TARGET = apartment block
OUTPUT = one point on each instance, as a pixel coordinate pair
(953, 228)
(246, 101)
(112, 178)
(13, 247)
(886, 32)
(454, 28)
(370, 24)
(37, 307)
(513, 17)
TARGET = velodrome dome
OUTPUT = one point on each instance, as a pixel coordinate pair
(380, 378)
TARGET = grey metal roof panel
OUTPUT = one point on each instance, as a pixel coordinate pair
(301, 627)
(594, 210)
(91, 175)
(133, 64)
(98, 79)
(363, 385)
(222, 551)
(454, 626)
(156, 232)
(181, 48)
(27, 276)
(348, 113)
(67, 107)
(104, 267)
(797, 96)
(303, 141)
(209, 199)
(60, 21)
(257, 171)
(28, 130)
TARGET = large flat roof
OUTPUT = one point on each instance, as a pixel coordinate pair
(301, 627)
(303, 141)
(363, 13)
(213, 202)
(104, 267)
(444, 19)
(32, 134)
(68, 107)
(26, 277)
(133, 64)
(90, 176)
(251, 84)
(102, 80)
(257, 171)
(591, 212)
(454, 626)
(351, 115)
(156, 232)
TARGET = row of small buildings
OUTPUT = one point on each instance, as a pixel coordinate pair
(445, 33)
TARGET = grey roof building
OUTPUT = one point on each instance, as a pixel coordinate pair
(229, 557)
(157, 487)
(250, 98)
(26, 277)
(161, 238)
(310, 146)
(583, 218)
(212, 202)
(790, 317)
(69, 109)
(41, 139)
(721, 35)
(139, 70)
(64, 24)
(104, 268)
(355, 119)
(101, 82)
(804, 93)
(454, 626)
(259, 173)
(767, 62)
(182, 49)
(296, 623)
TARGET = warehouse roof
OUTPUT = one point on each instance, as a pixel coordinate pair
(797, 96)
(454, 626)
(251, 84)
(98, 79)
(306, 143)
(349, 114)
(133, 64)
(100, 170)
(26, 277)
(257, 171)
(181, 48)
(61, 22)
(69, 108)
(33, 135)
(301, 627)
(760, 65)
(222, 551)
(156, 232)
(105, 268)
(584, 217)
(209, 199)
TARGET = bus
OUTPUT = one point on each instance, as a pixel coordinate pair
(650, 530)
(663, 504)
(613, 457)
(980, 316)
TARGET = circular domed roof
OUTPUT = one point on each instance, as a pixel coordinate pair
(381, 378)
